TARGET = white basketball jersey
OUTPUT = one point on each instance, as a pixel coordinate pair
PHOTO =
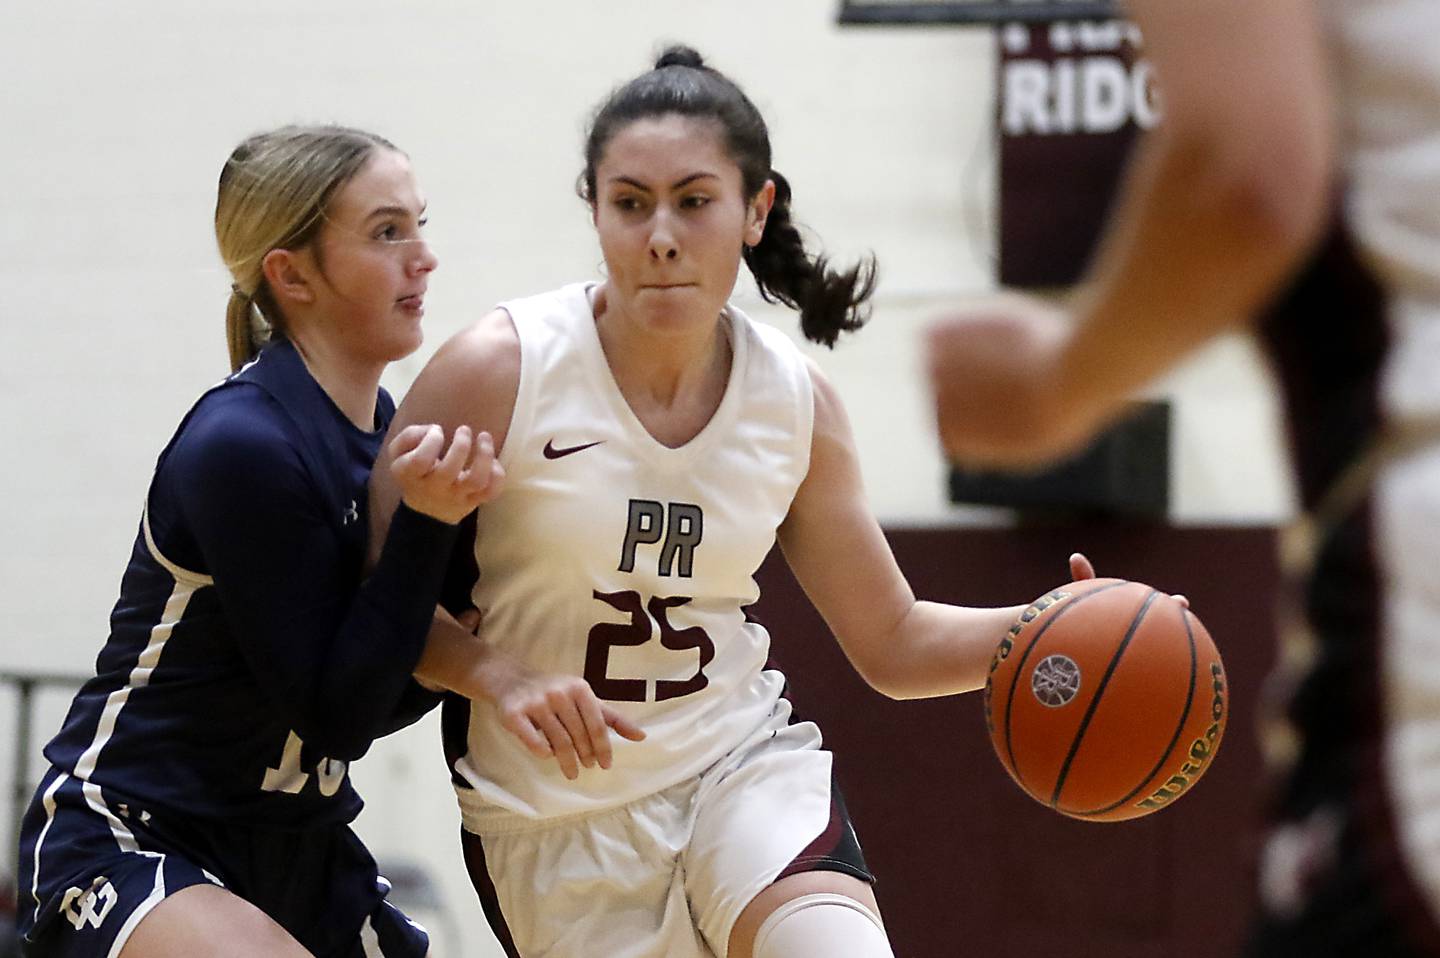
(613, 557)
(1387, 75)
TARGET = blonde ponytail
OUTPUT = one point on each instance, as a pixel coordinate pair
(272, 195)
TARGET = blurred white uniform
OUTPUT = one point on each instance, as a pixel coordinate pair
(1353, 865)
(1387, 54)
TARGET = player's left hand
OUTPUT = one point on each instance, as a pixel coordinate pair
(993, 368)
(1081, 568)
(445, 479)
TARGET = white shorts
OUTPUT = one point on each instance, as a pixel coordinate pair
(665, 876)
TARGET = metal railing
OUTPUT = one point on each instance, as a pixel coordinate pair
(26, 684)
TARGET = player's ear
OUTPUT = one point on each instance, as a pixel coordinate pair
(287, 274)
(757, 212)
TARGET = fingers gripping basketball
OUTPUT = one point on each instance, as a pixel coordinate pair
(1106, 700)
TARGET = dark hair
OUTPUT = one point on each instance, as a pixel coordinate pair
(829, 302)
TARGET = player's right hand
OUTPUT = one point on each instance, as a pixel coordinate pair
(560, 716)
(445, 483)
(994, 371)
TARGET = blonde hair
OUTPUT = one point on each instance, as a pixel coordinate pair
(273, 193)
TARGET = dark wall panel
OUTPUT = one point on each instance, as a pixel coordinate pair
(967, 864)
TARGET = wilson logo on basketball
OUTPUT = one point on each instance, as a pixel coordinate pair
(1201, 749)
(1056, 680)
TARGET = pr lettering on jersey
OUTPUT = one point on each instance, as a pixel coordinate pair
(680, 527)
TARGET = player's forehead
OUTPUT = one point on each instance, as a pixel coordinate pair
(660, 151)
(384, 183)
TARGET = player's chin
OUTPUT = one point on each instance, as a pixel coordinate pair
(679, 309)
(405, 337)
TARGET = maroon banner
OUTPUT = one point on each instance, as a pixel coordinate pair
(1072, 97)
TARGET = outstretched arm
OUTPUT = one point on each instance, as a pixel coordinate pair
(1219, 204)
(902, 647)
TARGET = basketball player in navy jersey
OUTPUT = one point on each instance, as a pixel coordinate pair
(198, 801)
(656, 443)
(1273, 109)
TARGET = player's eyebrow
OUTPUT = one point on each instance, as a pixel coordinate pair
(394, 211)
(678, 184)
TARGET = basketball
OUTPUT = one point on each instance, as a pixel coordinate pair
(1106, 700)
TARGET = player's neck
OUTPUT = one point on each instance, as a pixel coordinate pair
(352, 385)
(665, 364)
(673, 383)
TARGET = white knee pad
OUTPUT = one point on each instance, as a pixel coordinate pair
(814, 926)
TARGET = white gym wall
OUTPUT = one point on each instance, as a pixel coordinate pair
(117, 118)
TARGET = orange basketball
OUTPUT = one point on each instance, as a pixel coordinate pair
(1106, 700)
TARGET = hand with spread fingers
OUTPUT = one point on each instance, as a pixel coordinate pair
(552, 714)
(557, 715)
(445, 483)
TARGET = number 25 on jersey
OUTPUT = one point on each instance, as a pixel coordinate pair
(679, 530)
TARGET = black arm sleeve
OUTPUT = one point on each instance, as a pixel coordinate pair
(415, 702)
(461, 572)
(335, 660)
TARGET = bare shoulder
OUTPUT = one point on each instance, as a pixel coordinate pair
(490, 344)
(471, 380)
(830, 417)
(834, 467)
(832, 488)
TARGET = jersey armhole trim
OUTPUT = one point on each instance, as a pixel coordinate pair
(804, 420)
(180, 573)
(523, 412)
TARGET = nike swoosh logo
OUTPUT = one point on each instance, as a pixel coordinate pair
(550, 452)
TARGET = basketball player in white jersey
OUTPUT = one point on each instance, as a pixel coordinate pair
(1272, 111)
(656, 442)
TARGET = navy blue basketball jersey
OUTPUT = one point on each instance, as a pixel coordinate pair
(249, 656)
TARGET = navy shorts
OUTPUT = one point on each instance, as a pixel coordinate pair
(93, 864)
